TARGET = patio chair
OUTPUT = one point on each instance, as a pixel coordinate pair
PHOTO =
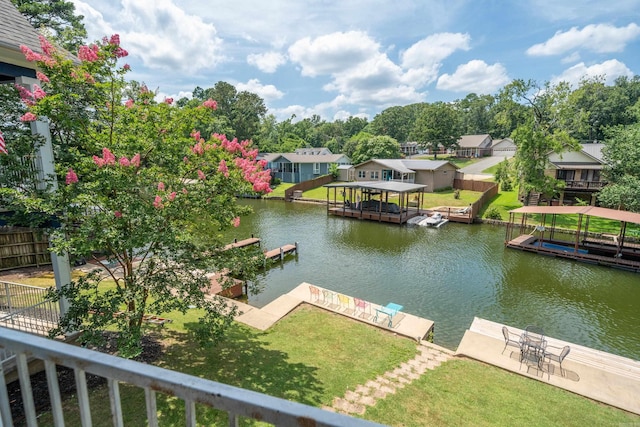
(329, 298)
(558, 357)
(314, 293)
(363, 306)
(511, 339)
(344, 302)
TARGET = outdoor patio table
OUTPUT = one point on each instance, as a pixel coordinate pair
(389, 310)
(532, 347)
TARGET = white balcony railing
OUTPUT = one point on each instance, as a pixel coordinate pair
(235, 401)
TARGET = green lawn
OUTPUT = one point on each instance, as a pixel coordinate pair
(312, 356)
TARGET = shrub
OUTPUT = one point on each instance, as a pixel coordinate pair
(493, 213)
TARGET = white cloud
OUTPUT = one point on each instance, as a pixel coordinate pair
(332, 53)
(267, 62)
(611, 69)
(266, 92)
(433, 49)
(574, 57)
(475, 76)
(158, 32)
(600, 38)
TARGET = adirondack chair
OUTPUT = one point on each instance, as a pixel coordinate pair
(314, 293)
(363, 306)
(344, 302)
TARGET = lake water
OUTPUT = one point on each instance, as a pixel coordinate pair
(448, 275)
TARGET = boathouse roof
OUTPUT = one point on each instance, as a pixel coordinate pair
(394, 186)
(612, 214)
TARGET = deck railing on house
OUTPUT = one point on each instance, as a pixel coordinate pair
(237, 402)
(584, 185)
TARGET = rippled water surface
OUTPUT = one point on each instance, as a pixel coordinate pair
(448, 275)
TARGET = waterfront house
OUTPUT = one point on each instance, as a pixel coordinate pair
(295, 168)
(435, 174)
(581, 172)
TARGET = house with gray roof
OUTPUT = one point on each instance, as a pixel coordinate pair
(581, 172)
(474, 145)
(15, 31)
(435, 174)
(295, 168)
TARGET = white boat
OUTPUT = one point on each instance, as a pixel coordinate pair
(416, 220)
(435, 220)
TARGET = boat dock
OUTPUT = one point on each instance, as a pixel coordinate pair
(279, 253)
(243, 243)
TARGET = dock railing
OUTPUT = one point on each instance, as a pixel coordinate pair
(237, 402)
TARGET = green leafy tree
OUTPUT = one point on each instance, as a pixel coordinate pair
(396, 122)
(437, 126)
(140, 185)
(376, 147)
(476, 117)
(540, 135)
(58, 18)
(503, 175)
(622, 156)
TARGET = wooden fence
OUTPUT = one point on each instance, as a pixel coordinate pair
(307, 185)
(23, 247)
(488, 189)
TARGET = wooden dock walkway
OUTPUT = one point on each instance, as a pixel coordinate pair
(279, 253)
(243, 243)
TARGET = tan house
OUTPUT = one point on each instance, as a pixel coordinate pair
(474, 145)
(581, 172)
(435, 174)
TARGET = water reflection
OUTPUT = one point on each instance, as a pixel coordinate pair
(448, 275)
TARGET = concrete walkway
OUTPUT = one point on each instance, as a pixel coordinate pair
(600, 376)
(263, 318)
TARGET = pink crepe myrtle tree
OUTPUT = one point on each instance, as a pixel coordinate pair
(143, 188)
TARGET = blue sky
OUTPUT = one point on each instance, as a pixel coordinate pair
(358, 57)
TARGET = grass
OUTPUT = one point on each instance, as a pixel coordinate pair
(465, 392)
(278, 190)
(312, 356)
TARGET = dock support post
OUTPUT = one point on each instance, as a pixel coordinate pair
(296, 243)
(281, 254)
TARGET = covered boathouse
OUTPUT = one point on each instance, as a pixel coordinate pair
(383, 201)
(535, 229)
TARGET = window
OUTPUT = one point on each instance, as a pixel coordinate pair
(362, 174)
(374, 175)
(316, 168)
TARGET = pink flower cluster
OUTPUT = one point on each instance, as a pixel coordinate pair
(28, 117)
(210, 103)
(47, 48)
(234, 146)
(254, 174)
(26, 95)
(223, 169)
(71, 177)
(42, 77)
(168, 101)
(88, 53)
(108, 158)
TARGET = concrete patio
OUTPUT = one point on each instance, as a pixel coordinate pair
(600, 376)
